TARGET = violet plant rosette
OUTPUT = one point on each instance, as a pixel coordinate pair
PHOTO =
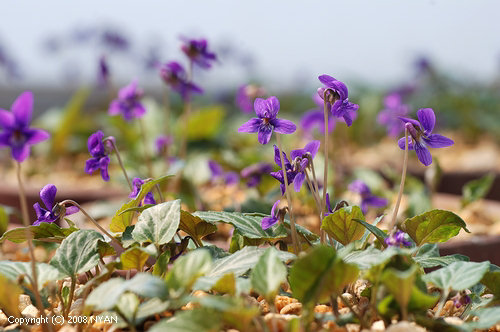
(389, 116)
(421, 136)
(266, 121)
(197, 51)
(367, 198)
(128, 102)
(47, 214)
(16, 133)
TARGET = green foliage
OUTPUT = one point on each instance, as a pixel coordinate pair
(198, 320)
(45, 272)
(134, 258)
(4, 220)
(342, 226)
(158, 224)
(187, 269)
(9, 296)
(458, 276)
(433, 226)
(196, 227)
(428, 256)
(77, 253)
(319, 274)
(477, 189)
(400, 284)
(379, 234)
(268, 274)
(50, 231)
(204, 123)
(123, 217)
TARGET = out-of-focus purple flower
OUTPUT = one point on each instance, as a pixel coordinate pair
(246, 95)
(301, 160)
(315, 118)
(218, 174)
(290, 171)
(16, 133)
(114, 40)
(151, 60)
(99, 153)
(136, 185)
(397, 240)
(267, 222)
(254, 173)
(337, 99)
(174, 75)
(128, 102)
(103, 72)
(421, 135)
(267, 110)
(367, 198)
(197, 51)
(461, 299)
(328, 205)
(162, 142)
(389, 116)
(47, 214)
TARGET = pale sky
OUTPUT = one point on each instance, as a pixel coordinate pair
(292, 41)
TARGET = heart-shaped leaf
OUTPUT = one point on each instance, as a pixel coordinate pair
(187, 269)
(123, 216)
(77, 253)
(342, 226)
(134, 258)
(400, 284)
(44, 272)
(458, 276)
(46, 231)
(428, 256)
(158, 224)
(268, 274)
(433, 226)
(319, 274)
(196, 227)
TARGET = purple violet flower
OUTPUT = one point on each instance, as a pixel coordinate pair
(128, 102)
(421, 135)
(315, 118)
(389, 116)
(267, 110)
(175, 76)
(328, 205)
(136, 185)
(47, 214)
(461, 299)
(301, 161)
(162, 142)
(267, 222)
(16, 132)
(229, 178)
(338, 101)
(254, 173)
(397, 240)
(290, 171)
(367, 198)
(197, 51)
(114, 40)
(99, 153)
(246, 95)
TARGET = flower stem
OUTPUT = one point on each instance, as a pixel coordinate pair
(187, 113)
(295, 241)
(113, 239)
(147, 156)
(71, 294)
(29, 239)
(325, 171)
(120, 162)
(402, 184)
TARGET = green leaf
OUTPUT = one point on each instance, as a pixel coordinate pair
(400, 284)
(268, 274)
(196, 227)
(458, 276)
(127, 305)
(341, 225)
(158, 224)
(226, 284)
(319, 274)
(127, 240)
(248, 225)
(197, 320)
(9, 296)
(123, 217)
(375, 229)
(428, 256)
(107, 294)
(161, 266)
(491, 280)
(487, 317)
(433, 226)
(77, 253)
(239, 242)
(49, 231)
(150, 308)
(235, 312)
(379, 234)
(477, 189)
(134, 258)
(187, 269)
(4, 220)
(421, 301)
(45, 272)
(371, 256)
(204, 123)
